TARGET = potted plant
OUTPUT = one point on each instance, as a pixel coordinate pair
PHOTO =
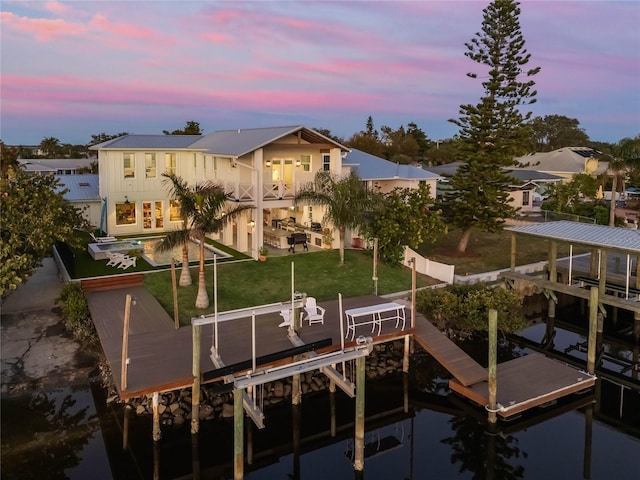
(327, 239)
(262, 253)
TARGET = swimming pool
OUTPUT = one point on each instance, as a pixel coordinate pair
(98, 251)
(156, 258)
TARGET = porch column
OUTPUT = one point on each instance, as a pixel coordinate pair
(243, 231)
(227, 234)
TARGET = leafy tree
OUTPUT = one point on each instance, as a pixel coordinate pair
(347, 201)
(626, 155)
(327, 133)
(204, 209)
(8, 158)
(34, 216)
(405, 219)
(556, 131)
(50, 147)
(492, 132)
(103, 137)
(421, 139)
(400, 146)
(367, 140)
(191, 128)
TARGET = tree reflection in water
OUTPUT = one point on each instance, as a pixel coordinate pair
(482, 453)
(43, 435)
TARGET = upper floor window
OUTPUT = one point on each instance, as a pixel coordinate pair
(129, 165)
(170, 163)
(326, 162)
(150, 165)
(305, 162)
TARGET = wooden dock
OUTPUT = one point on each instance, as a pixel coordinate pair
(160, 357)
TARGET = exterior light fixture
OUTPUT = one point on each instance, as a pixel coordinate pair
(268, 163)
(126, 200)
(298, 163)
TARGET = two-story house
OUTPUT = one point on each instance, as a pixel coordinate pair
(264, 167)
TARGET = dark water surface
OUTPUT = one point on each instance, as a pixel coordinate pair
(415, 429)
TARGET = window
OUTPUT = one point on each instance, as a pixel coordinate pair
(326, 162)
(174, 211)
(150, 165)
(525, 198)
(305, 162)
(125, 213)
(129, 165)
(170, 163)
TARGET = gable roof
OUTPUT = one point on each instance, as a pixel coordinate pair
(566, 160)
(81, 187)
(52, 165)
(147, 141)
(231, 143)
(370, 167)
(519, 176)
(235, 143)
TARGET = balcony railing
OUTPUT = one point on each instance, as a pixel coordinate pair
(245, 192)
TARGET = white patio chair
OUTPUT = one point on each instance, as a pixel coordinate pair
(286, 318)
(127, 262)
(115, 258)
(103, 239)
(312, 312)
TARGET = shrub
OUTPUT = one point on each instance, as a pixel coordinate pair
(466, 307)
(76, 315)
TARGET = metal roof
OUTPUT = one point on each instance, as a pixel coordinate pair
(601, 236)
(148, 142)
(563, 160)
(54, 164)
(81, 187)
(370, 167)
(239, 142)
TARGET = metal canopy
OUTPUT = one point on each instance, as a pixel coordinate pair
(600, 236)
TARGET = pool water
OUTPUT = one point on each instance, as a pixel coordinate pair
(155, 257)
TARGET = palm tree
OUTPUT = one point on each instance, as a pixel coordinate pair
(346, 199)
(181, 193)
(626, 154)
(204, 209)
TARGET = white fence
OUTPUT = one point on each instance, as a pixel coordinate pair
(439, 271)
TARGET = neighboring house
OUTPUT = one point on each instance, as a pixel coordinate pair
(55, 166)
(385, 175)
(525, 190)
(83, 194)
(264, 167)
(566, 162)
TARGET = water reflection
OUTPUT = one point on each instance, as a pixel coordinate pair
(44, 434)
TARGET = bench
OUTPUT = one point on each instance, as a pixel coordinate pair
(374, 315)
(297, 239)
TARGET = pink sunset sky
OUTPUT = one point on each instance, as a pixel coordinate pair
(73, 69)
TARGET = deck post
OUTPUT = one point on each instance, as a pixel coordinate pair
(238, 432)
(358, 463)
(332, 408)
(156, 417)
(375, 266)
(405, 357)
(176, 314)
(602, 277)
(296, 396)
(493, 360)
(593, 328)
(513, 252)
(125, 343)
(195, 391)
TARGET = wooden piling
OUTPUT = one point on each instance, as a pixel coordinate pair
(238, 432)
(358, 463)
(156, 417)
(125, 343)
(195, 391)
(493, 361)
(296, 396)
(593, 329)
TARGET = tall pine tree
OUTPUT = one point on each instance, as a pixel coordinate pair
(494, 131)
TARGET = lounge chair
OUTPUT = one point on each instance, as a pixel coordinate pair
(312, 312)
(286, 315)
(103, 239)
(115, 258)
(127, 262)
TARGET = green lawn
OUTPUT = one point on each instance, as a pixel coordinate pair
(244, 284)
(489, 251)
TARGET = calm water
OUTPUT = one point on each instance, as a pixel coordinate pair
(72, 434)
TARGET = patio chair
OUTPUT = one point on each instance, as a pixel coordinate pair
(115, 258)
(103, 239)
(127, 262)
(286, 315)
(312, 312)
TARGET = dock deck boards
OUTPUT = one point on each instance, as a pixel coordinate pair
(464, 368)
(160, 357)
(526, 382)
